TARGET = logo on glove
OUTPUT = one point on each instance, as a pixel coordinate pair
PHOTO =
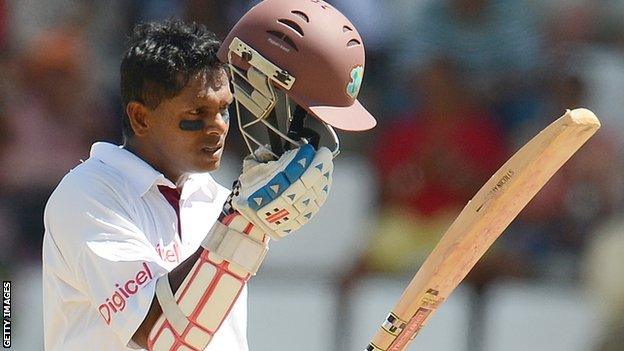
(277, 215)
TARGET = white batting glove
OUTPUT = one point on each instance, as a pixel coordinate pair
(280, 196)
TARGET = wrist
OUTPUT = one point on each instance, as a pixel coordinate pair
(239, 242)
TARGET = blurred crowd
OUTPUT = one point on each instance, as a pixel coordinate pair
(457, 87)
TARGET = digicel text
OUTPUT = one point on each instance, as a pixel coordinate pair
(117, 302)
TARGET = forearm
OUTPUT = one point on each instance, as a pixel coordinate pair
(208, 284)
(176, 277)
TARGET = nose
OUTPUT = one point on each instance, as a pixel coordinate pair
(217, 125)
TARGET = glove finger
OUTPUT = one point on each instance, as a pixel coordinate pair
(319, 176)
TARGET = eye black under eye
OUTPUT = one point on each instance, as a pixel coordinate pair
(200, 112)
(192, 126)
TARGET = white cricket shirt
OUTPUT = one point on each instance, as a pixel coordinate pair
(109, 235)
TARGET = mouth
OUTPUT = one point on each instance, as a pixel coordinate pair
(212, 149)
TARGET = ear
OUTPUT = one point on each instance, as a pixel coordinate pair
(138, 115)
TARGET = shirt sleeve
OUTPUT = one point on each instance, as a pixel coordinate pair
(119, 277)
(114, 264)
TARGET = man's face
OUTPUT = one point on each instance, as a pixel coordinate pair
(175, 152)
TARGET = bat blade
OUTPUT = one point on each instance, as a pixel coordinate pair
(480, 223)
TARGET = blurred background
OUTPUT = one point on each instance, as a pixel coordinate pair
(456, 85)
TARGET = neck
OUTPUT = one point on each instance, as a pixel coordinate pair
(148, 155)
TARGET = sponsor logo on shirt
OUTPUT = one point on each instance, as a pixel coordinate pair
(169, 254)
(117, 302)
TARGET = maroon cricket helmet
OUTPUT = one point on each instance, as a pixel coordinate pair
(318, 46)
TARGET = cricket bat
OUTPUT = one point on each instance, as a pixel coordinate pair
(478, 225)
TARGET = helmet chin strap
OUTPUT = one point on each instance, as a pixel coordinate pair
(284, 118)
(298, 131)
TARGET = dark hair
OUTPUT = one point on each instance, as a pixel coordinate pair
(161, 59)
